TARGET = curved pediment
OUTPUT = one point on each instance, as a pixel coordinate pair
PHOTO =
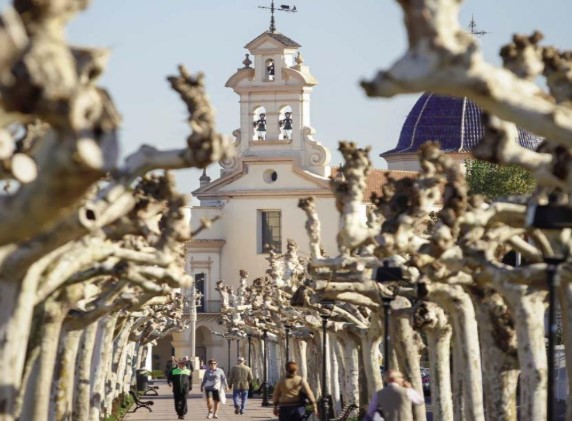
(240, 75)
(305, 77)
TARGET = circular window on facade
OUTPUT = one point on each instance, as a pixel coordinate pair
(270, 176)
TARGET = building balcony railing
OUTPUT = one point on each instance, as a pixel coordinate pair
(210, 306)
(206, 306)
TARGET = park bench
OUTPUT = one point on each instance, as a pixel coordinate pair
(345, 412)
(139, 403)
(151, 389)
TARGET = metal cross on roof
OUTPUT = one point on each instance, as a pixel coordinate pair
(282, 8)
(474, 30)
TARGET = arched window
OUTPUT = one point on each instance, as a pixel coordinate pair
(269, 66)
(285, 122)
(259, 123)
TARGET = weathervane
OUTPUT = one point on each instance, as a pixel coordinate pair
(474, 30)
(283, 8)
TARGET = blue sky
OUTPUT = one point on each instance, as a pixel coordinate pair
(342, 42)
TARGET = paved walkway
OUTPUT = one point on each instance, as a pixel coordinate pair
(164, 407)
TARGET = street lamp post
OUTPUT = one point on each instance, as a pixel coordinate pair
(328, 306)
(287, 327)
(324, 361)
(249, 335)
(386, 335)
(553, 283)
(387, 273)
(551, 217)
(265, 401)
(228, 355)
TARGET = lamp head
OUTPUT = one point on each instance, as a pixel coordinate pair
(388, 273)
(327, 303)
(549, 216)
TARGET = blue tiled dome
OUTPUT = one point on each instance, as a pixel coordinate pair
(454, 122)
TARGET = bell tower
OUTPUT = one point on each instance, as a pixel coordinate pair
(274, 87)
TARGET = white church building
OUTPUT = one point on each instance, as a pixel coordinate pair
(277, 162)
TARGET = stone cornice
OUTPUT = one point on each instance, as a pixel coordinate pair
(212, 191)
(263, 88)
(206, 244)
(300, 193)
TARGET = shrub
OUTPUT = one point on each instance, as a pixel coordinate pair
(119, 407)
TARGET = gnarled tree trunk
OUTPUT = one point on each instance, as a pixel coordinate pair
(83, 374)
(432, 320)
(102, 359)
(466, 357)
(408, 346)
(498, 347)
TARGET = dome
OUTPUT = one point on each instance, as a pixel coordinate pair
(456, 123)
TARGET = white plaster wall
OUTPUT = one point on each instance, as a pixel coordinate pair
(242, 233)
(254, 179)
(216, 230)
(410, 162)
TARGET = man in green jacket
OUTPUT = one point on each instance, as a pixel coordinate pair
(239, 379)
(181, 380)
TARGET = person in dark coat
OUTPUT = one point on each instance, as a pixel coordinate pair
(172, 363)
(180, 380)
(189, 364)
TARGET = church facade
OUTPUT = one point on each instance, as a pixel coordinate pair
(277, 162)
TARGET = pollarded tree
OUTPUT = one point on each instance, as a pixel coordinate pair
(71, 210)
(448, 61)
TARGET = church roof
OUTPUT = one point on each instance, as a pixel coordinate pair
(376, 178)
(456, 123)
(283, 39)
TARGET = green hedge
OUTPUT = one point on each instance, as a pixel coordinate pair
(119, 408)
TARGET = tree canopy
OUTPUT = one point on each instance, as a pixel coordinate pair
(495, 181)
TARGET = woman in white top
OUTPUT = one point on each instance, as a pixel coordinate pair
(214, 380)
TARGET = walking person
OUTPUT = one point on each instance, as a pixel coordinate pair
(189, 364)
(289, 404)
(179, 380)
(214, 381)
(171, 363)
(394, 400)
(239, 379)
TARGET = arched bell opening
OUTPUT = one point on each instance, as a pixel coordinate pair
(259, 123)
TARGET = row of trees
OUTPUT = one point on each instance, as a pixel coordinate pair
(458, 299)
(91, 261)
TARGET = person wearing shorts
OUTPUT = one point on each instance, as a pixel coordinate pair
(214, 380)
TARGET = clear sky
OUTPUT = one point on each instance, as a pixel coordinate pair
(342, 41)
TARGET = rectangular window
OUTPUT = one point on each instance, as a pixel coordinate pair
(200, 279)
(271, 230)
